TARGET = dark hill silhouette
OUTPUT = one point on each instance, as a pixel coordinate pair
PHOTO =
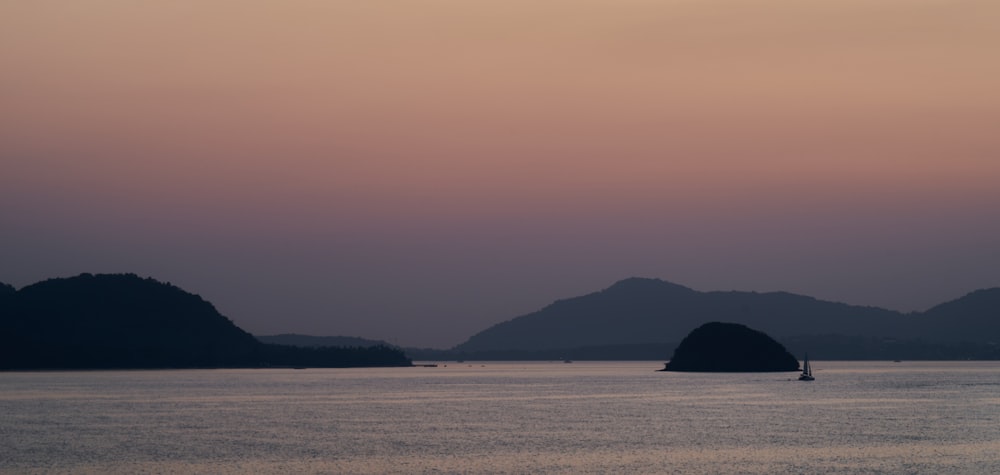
(730, 347)
(627, 312)
(124, 321)
(650, 311)
(974, 318)
(307, 341)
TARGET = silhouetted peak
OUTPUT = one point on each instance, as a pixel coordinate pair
(125, 283)
(986, 300)
(645, 284)
(6, 289)
(985, 294)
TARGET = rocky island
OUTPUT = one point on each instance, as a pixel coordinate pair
(732, 348)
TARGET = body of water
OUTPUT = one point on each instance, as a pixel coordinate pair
(584, 417)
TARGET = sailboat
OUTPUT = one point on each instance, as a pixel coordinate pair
(807, 372)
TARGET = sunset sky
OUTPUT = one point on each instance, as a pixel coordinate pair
(416, 171)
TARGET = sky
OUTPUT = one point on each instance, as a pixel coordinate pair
(416, 171)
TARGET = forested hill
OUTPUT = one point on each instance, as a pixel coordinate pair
(124, 321)
(974, 317)
(648, 311)
(309, 341)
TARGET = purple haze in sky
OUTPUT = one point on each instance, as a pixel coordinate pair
(417, 171)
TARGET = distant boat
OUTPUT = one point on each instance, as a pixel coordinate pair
(807, 372)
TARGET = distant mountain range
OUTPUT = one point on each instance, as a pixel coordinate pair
(121, 320)
(124, 321)
(639, 312)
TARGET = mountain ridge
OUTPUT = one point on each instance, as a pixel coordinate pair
(643, 310)
(122, 321)
(631, 319)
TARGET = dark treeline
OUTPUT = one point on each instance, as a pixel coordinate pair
(293, 339)
(34, 357)
(843, 347)
(333, 356)
(637, 352)
(123, 321)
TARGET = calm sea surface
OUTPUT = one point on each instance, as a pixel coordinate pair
(584, 417)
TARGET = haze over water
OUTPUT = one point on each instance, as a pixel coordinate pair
(418, 171)
(621, 417)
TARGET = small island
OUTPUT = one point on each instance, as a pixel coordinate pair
(730, 348)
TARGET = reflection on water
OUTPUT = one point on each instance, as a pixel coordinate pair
(857, 417)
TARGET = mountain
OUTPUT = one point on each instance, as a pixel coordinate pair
(124, 321)
(974, 317)
(648, 311)
(730, 347)
(104, 320)
(640, 310)
(627, 312)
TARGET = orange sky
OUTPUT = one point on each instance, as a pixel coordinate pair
(755, 145)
